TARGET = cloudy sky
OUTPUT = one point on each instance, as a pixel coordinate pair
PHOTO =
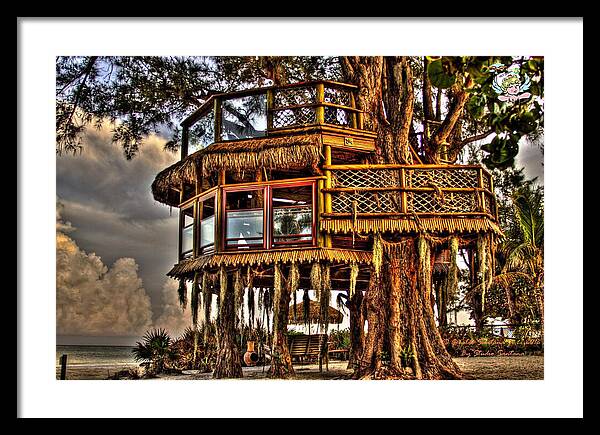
(114, 242)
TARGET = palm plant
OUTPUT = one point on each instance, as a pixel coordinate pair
(154, 351)
(522, 254)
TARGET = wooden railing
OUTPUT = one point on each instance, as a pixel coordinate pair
(357, 191)
(270, 111)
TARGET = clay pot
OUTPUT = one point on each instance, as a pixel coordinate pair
(250, 357)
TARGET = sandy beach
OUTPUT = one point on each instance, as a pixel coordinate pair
(529, 367)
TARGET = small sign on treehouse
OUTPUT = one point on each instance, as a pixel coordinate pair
(348, 141)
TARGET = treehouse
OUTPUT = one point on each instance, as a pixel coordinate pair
(281, 176)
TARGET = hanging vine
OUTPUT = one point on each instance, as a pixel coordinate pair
(325, 298)
(353, 277)
(316, 281)
(182, 293)
(195, 300)
(238, 291)
(293, 284)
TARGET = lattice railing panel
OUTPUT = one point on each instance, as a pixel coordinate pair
(295, 96)
(340, 97)
(290, 117)
(337, 116)
(367, 202)
(489, 205)
(366, 178)
(442, 178)
(437, 200)
(449, 202)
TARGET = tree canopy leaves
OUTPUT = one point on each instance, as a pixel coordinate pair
(151, 94)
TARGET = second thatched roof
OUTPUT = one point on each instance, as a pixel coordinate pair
(335, 316)
(283, 152)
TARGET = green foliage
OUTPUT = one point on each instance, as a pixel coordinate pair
(339, 339)
(154, 351)
(440, 76)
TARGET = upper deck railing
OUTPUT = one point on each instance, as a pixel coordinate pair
(261, 112)
(396, 190)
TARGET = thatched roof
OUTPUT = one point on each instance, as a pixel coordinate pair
(410, 224)
(187, 268)
(283, 152)
(335, 316)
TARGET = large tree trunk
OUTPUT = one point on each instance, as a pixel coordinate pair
(228, 364)
(357, 328)
(281, 360)
(399, 306)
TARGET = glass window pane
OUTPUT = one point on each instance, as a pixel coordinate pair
(244, 228)
(207, 231)
(187, 239)
(292, 214)
(244, 117)
(201, 133)
(188, 218)
(292, 221)
(243, 200)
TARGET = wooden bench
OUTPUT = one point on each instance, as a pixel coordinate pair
(309, 348)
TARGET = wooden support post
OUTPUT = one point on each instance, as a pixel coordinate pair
(494, 197)
(199, 207)
(481, 193)
(270, 105)
(181, 222)
(320, 211)
(354, 114)
(320, 109)
(328, 183)
(403, 195)
(218, 119)
(63, 367)
(219, 217)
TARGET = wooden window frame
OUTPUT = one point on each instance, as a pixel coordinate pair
(313, 234)
(185, 255)
(245, 188)
(268, 238)
(198, 221)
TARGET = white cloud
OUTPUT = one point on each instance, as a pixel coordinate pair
(93, 299)
(173, 318)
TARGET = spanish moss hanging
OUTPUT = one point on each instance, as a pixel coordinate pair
(251, 307)
(249, 277)
(325, 299)
(238, 291)
(306, 308)
(182, 293)
(195, 298)
(277, 288)
(484, 272)
(377, 253)
(316, 279)
(353, 277)
(452, 278)
(293, 284)
(222, 289)
(206, 299)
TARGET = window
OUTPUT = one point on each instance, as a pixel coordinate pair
(292, 215)
(206, 213)
(244, 219)
(202, 133)
(244, 117)
(186, 221)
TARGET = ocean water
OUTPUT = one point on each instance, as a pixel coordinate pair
(94, 361)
